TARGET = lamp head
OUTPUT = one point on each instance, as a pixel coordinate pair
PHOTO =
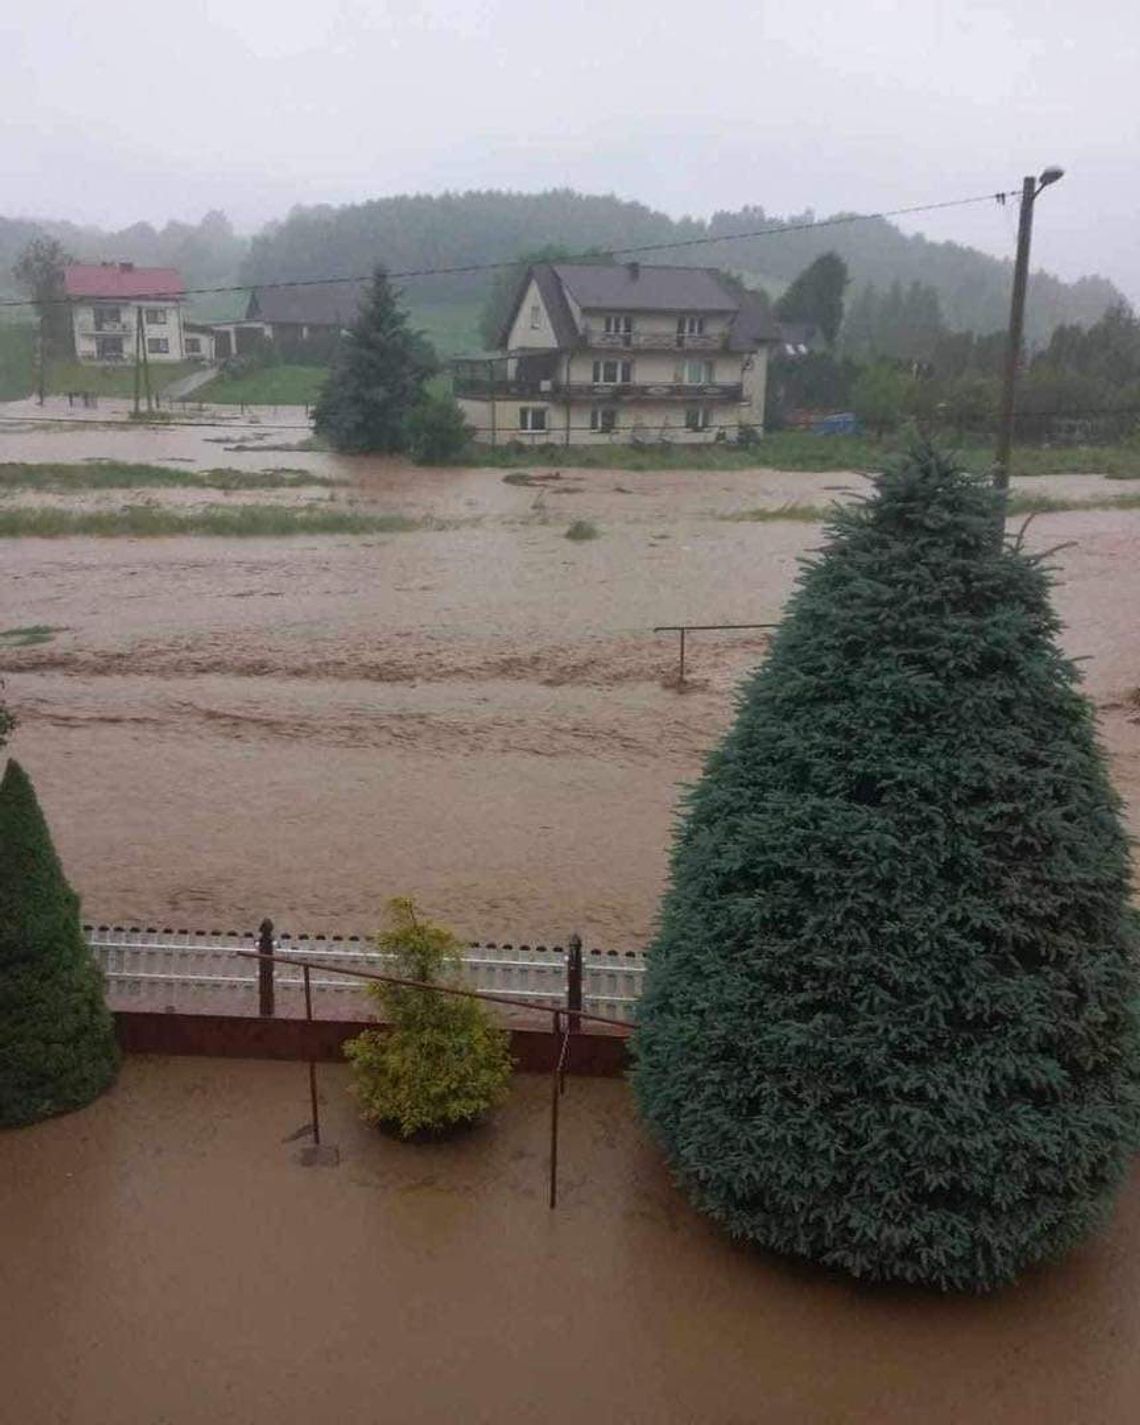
(1051, 175)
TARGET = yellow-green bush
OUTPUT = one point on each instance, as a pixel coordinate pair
(441, 1062)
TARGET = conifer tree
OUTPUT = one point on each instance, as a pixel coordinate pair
(889, 1022)
(57, 1039)
(377, 378)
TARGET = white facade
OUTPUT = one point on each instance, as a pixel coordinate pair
(108, 330)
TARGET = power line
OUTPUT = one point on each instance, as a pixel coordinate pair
(470, 267)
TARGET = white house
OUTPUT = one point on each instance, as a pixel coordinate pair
(595, 352)
(118, 311)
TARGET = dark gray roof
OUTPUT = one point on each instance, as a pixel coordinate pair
(636, 287)
(333, 304)
(753, 324)
(554, 299)
(661, 289)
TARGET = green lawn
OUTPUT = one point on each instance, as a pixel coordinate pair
(234, 521)
(65, 376)
(269, 386)
(451, 327)
(118, 475)
(800, 450)
(17, 358)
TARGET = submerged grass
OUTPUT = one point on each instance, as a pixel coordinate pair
(1017, 505)
(237, 521)
(29, 635)
(803, 450)
(583, 529)
(117, 475)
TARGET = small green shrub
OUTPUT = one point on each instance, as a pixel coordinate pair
(441, 1063)
(437, 432)
(583, 529)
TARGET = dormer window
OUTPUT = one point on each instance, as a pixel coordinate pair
(535, 316)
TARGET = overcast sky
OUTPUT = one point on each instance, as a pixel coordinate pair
(126, 109)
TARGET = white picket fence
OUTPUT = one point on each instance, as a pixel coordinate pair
(199, 973)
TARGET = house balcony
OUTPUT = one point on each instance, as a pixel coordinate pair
(480, 389)
(652, 341)
(93, 328)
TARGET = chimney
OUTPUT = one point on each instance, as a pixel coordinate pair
(634, 270)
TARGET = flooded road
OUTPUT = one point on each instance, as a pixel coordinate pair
(167, 1259)
(478, 714)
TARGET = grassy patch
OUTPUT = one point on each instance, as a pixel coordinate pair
(235, 522)
(114, 475)
(800, 450)
(1048, 504)
(269, 386)
(64, 376)
(451, 327)
(29, 636)
(583, 529)
(17, 361)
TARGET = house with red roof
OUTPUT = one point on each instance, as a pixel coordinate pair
(120, 312)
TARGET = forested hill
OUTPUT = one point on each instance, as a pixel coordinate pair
(454, 229)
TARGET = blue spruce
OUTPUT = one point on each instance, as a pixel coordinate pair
(890, 1022)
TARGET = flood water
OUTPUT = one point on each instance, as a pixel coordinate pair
(479, 714)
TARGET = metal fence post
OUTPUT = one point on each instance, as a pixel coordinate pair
(265, 970)
(574, 982)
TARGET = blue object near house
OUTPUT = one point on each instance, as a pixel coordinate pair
(842, 423)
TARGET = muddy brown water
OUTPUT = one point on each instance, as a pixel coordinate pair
(168, 1261)
(480, 715)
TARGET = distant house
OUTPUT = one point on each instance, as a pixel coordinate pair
(119, 311)
(315, 314)
(799, 339)
(595, 352)
(198, 340)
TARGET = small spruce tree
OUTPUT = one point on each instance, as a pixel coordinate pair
(377, 377)
(889, 1022)
(438, 434)
(57, 1039)
(440, 1062)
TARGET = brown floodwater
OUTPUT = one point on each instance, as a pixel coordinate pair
(168, 1261)
(478, 714)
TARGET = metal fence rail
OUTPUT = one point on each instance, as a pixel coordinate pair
(198, 972)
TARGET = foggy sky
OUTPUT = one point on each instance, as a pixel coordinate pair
(128, 109)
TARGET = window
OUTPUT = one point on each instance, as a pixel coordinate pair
(532, 418)
(108, 348)
(107, 318)
(620, 327)
(535, 316)
(613, 373)
(603, 418)
(155, 316)
(696, 417)
(193, 346)
(690, 326)
(697, 373)
(157, 345)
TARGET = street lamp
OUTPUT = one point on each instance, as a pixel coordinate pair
(1030, 189)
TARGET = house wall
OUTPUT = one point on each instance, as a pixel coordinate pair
(755, 379)
(651, 421)
(170, 331)
(523, 334)
(657, 368)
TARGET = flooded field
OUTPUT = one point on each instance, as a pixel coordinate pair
(478, 712)
(169, 1260)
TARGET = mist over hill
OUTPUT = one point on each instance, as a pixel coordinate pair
(455, 229)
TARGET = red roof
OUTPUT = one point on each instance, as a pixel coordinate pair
(122, 280)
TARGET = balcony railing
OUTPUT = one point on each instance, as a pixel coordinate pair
(475, 388)
(92, 328)
(653, 340)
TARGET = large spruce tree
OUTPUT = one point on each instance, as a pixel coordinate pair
(889, 1021)
(57, 1039)
(377, 377)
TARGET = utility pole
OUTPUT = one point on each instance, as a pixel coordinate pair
(1030, 190)
(41, 360)
(138, 357)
